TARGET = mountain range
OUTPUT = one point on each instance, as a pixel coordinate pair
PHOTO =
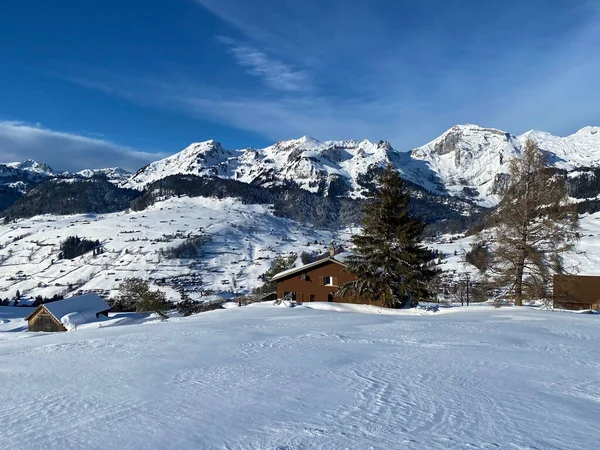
(467, 164)
(467, 161)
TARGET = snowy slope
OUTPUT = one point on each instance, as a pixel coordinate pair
(244, 238)
(584, 260)
(264, 377)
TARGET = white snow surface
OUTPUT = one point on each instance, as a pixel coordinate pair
(262, 377)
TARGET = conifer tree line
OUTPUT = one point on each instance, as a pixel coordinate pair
(74, 246)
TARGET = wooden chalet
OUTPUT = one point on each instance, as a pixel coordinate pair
(317, 281)
(64, 314)
(576, 292)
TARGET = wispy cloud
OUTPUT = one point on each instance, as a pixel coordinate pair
(339, 70)
(66, 151)
(273, 72)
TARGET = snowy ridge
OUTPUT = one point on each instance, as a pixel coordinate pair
(311, 164)
(29, 165)
(467, 161)
(113, 174)
(471, 161)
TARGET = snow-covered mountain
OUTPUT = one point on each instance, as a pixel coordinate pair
(112, 174)
(467, 161)
(313, 165)
(32, 166)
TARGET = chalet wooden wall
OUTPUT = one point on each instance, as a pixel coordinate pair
(42, 320)
(309, 285)
(576, 292)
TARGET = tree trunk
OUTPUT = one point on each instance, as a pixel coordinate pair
(519, 280)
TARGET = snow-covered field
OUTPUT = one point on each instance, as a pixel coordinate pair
(266, 377)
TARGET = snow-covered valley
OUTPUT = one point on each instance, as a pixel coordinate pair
(243, 240)
(265, 377)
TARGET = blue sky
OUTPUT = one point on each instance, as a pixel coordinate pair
(105, 82)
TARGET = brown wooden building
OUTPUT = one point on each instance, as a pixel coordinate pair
(576, 292)
(317, 282)
(81, 309)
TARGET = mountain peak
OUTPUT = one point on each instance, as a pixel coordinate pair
(588, 131)
(32, 166)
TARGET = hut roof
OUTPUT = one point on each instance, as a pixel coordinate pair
(87, 306)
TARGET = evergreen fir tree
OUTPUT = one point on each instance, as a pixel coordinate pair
(388, 259)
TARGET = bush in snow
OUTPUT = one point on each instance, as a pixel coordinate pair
(279, 264)
(135, 294)
(479, 256)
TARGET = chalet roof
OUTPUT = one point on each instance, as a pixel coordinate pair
(87, 305)
(337, 259)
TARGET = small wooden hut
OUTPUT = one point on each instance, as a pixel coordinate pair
(63, 314)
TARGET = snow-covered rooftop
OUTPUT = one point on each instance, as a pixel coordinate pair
(338, 259)
(86, 307)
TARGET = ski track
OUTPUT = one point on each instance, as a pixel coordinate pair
(278, 378)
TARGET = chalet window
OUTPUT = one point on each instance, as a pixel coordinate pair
(330, 281)
(305, 277)
(312, 298)
(289, 296)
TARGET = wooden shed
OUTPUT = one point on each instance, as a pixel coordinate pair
(317, 282)
(63, 314)
(576, 292)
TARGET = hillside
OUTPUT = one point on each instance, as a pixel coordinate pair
(242, 241)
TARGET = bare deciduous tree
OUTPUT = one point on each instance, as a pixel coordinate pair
(533, 226)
